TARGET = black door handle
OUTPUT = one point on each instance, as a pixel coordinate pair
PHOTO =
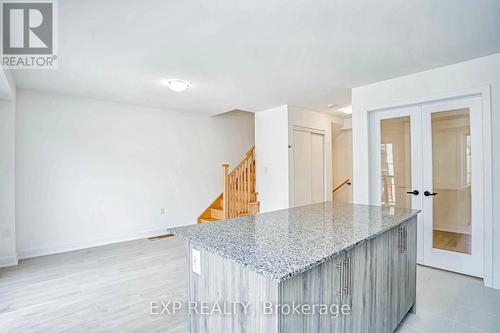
(427, 193)
(414, 192)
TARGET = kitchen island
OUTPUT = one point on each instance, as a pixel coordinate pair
(343, 267)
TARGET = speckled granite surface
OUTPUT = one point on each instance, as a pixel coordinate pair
(284, 243)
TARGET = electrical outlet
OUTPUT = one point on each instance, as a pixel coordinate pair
(162, 211)
(195, 261)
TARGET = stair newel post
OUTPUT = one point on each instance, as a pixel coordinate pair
(225, 195)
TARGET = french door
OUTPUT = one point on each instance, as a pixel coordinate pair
(429, 157)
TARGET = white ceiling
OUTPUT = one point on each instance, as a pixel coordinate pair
(253, 54)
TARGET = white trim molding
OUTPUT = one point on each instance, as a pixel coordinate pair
(496, 283)
(8, 261)
(488, 190)
(43, 251)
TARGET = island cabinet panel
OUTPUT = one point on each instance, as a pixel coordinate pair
(403, 270)
(410, 274)
(369, 296)
(321, 285)
(377, 279)
(223, 281)
(384, 279)
(374, 279)
(403, 278)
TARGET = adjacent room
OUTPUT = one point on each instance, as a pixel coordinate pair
(250, 166)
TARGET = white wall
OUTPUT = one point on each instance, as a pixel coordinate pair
(8, 255)
(91, 172)
(273, 135)
(426, 86)
(342, 164)
(271, 155)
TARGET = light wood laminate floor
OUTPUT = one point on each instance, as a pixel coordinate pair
(103, 289)
(110, 289)
(451, 241)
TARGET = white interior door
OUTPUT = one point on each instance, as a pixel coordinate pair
(433, 153)
(308, 161)
(302, 167)
(453, 185)
(395, 162)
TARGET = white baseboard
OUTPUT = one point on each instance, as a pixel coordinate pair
(8, 261)
(496, 284)
(43, 251)
(453, 228)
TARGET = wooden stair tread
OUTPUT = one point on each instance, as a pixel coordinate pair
(217, 213)
(208, 219)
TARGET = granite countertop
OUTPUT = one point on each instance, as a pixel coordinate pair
(284, 243)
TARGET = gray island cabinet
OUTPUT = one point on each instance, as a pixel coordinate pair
(344, 267)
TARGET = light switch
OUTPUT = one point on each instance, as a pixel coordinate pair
(196, 261)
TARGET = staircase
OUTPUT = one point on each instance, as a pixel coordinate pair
(238, 197)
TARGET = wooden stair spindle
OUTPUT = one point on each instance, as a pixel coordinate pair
(225, 193)
(238, 197)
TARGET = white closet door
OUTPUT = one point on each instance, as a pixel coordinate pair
(302, 167)
(317, 163)
(308, 167)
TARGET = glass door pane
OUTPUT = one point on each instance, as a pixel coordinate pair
(395, 157)
(396, 162)
(451, 179)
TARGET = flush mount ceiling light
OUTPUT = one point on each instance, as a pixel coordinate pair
(347, 109)
(177, 85)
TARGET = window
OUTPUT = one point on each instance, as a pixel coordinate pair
(388, 181)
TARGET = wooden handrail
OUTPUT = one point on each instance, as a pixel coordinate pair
(239, 186)
(247, 155)
(347, 181)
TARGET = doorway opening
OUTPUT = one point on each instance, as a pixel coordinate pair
(342, 162)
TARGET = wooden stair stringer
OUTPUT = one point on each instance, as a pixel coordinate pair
(206, 216)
